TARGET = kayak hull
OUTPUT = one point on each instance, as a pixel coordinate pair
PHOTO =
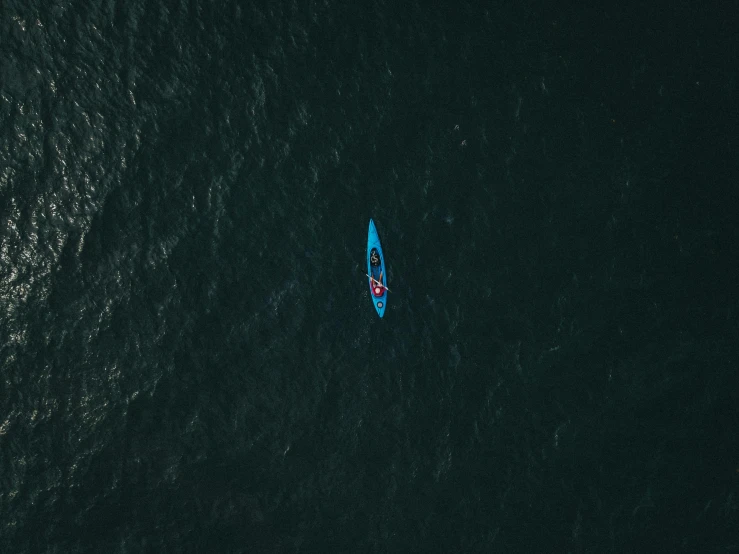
(373, 241)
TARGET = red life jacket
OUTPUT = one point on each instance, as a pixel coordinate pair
(377, 290)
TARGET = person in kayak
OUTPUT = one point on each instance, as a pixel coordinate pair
(377, 286)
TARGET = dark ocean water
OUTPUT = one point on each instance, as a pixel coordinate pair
(190, 357)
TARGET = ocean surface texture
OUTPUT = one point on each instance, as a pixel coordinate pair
(189, 356)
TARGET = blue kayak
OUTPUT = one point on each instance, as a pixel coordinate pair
(376, 270)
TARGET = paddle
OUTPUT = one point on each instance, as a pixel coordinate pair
(378, 282)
